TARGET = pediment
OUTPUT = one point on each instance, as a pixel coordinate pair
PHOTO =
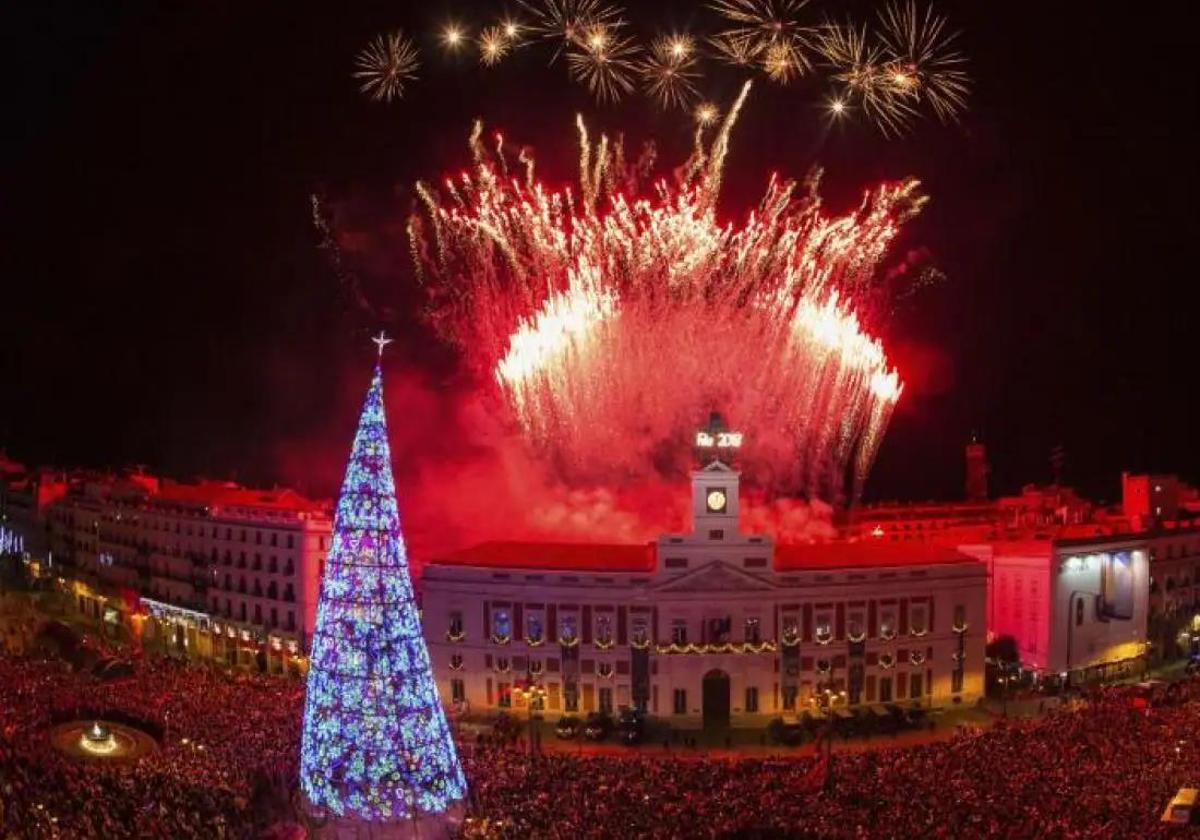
(716, 577)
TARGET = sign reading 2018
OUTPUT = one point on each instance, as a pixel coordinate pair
(720, 440)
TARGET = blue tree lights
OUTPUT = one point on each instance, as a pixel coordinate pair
(375, 743)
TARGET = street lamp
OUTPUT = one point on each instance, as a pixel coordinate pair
(532, 694)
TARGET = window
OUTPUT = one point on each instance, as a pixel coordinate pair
(914, 686)
(258, 614)
(274, 617)
(752, 699)
(456, 661)
(856, 626)
(680, 701)
(501, 624)
(274, 540)
(242, 611)
(291, 541)
(641, 632)
(291, 622)
(273, 567)
(917, 620)
(535, 627)
(716, 534)
(887, 623)
(675, 563)
(754, 563)
(570, 698)
(679, 633)
(824, 628)
(606, 703)
(752, 631)
(789, 697)
(568, 629)
(289, 594)
(604, 630)
(960, 617)
(272, 591)
(956, 680)
(885, 689)
(458, 691)
(258, 562)
(504, 701)
(455, 626)
(243, 535)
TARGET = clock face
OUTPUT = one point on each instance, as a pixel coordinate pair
(716, 501)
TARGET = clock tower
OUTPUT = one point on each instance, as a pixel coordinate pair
(715, 483)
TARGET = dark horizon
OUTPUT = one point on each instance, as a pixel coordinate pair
(167, 302)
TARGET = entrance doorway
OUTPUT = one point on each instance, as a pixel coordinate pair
(716, 699)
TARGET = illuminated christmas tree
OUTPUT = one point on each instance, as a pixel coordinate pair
(376, 746)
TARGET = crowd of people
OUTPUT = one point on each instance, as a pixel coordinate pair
(1101, 768)
(225, 766)
(227, 762)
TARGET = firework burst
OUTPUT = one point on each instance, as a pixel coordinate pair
(609, 324)
(766, 31)
(494, 44)
(671, 71)
(866, 78)
(923, 61)
(604, 61)
(569, 21)
(385, 66)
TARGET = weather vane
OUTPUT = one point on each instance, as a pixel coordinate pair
(381, 341)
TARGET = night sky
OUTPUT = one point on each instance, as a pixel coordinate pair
(165, 302)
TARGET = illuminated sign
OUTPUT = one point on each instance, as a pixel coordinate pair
(720, 440)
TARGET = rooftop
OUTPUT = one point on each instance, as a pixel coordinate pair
(555, 557)
(865, 554)
(226, 494)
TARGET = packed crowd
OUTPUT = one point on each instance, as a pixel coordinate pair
(226, 768)
(1103, 768)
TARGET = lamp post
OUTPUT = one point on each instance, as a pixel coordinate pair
(825, 699)
(532, 694)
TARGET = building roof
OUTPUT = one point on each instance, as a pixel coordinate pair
(555, 557)
(864, 555)
(226, 494)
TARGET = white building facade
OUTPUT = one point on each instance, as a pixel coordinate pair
(210, 569)
(711, 626)
(1075, 606)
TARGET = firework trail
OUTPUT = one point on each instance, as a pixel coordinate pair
(611, 325)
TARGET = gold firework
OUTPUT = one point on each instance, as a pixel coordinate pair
(605, 61)
(858, 64)
(766, 31)
(671, 71)
(453, 36)
(706, 114)
(385, 65)
(923, 62)
(568, 21)
(494, 44)
(740, 52)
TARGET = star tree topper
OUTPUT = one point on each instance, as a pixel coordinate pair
(381, 341)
